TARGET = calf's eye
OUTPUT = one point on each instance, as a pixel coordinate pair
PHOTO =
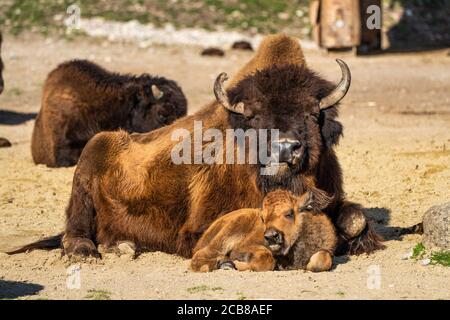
(290, 214)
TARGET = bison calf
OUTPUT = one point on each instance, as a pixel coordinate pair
(254, 239)
(81, 99)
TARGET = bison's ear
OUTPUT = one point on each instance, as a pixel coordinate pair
(317, 200)
(331, 129)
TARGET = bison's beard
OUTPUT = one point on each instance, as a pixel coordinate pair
(284, 175)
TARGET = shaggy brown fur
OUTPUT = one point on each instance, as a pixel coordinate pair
(274, 50)
(241, 239)
(81, 99)
(126, 187)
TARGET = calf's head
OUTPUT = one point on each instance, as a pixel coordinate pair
(1, 65)
(283, 217)
(294, 100)
(157, 104)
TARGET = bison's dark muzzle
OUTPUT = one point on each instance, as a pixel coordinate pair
(289, 150)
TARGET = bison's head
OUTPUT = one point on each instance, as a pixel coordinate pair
(159, 102)
(294, 100)
(1, 65)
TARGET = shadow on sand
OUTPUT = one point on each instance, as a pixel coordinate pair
(12, 118)
(15, 289)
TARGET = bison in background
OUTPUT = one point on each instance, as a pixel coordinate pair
(4, 143)
(81, 99)
(2, 84)
(126, 187)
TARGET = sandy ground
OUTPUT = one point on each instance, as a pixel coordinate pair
(395, 156)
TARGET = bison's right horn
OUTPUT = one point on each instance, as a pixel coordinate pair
(221, 95)
(340, 91)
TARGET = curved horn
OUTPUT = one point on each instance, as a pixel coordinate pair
(221, 95)
(158, 94)
(340, 91)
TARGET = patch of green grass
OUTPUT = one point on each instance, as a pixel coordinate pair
(16, 91)
(98, 295)
(202, 288)
(441, 257)
(47, 16)
(418, 251)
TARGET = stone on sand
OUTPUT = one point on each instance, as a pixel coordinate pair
(436, 227)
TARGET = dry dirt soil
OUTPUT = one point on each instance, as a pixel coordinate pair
(395, 156)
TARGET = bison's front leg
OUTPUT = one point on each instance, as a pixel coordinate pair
(80, 221)
(186, 240)
(356, 233)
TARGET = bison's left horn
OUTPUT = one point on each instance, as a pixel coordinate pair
(158, 94)
(340, 91)
(221, 95)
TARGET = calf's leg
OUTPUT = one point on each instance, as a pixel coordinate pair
(206, 260)
(258, 258)
(320, 261)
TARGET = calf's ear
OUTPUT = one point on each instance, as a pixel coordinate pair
(330, 128)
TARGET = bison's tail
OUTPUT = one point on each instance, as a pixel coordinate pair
(44, 244)
(415, 229)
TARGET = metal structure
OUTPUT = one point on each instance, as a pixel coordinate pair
(341, 24)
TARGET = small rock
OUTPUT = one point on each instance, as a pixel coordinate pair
(283, 15)
(4, 143)
(407, 256)
(213, 52)
(242, 45)
(425, 262)
(436, 227)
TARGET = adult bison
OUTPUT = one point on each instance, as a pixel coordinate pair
(127, 187)
(2, 84)
(4, 143)
(81, 99)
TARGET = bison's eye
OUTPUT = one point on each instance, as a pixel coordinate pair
(290, 214)
(313, 116)
(308, 207)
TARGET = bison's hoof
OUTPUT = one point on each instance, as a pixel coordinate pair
(76, 248)
(127, 247)
(227, 265)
